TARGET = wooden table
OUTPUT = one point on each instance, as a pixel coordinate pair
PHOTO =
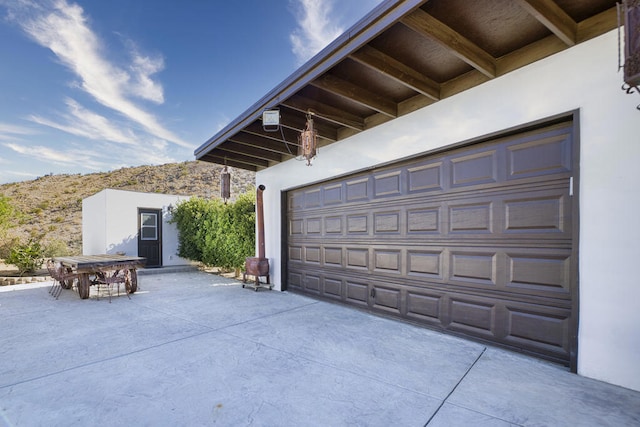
(87, 270)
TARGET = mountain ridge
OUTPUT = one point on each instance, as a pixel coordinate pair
(50, 207)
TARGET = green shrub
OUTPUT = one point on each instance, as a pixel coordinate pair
(216, 234)
(55, 247)
(28, 258)
(7, 214)
(6, 244)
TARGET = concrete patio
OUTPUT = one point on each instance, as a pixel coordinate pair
(192, 348)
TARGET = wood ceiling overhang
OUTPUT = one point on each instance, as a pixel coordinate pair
(405, 55)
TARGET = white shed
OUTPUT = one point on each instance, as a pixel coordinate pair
(133, 223)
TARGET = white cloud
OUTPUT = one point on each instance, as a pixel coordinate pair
(70, 157)
(143, 67)
(9, 130)
(315, 28)
(319, 22)
(87, 124)
(63, 28)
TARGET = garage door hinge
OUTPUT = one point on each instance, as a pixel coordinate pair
(571, 186)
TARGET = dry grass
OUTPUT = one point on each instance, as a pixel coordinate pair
(51, 206)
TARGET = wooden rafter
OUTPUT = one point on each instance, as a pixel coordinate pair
(268, 144)
(221, 159)
(325, 111)
(356, 94)
(398, 71)
(554, 18)
(253, 151)
(463, 48)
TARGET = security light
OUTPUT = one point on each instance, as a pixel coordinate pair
(271, 120)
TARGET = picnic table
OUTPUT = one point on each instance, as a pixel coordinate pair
(87, 270)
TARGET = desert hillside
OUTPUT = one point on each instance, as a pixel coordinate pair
(51, 206)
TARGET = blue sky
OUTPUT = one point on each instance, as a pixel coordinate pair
(96, 85)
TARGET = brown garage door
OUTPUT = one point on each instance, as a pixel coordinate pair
(475, 241)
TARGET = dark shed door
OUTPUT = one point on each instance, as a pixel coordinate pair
(150, 236)
(476, 241)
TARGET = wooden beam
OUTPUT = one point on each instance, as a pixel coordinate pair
(250, 150)
(597, 25)
(246, 160)
(256, 128)
(356, 94)
(463, 82)
(271, 144)
(554, 18)
(463, 48)
(211, 158)
(327, 112)
(398, 71)
(529, 54)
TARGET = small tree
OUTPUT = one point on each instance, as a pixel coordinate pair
(28, 257)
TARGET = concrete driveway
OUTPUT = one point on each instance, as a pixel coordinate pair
(195, 349)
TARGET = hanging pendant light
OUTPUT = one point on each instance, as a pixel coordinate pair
(225, 184)
(308, 141)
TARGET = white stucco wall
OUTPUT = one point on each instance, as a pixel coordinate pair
(584, 77)
(110, 223)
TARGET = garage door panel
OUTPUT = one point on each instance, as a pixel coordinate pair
(333, 256)
(357, 293)
(333, 288)
(424, 220)
(538, 328)
(473, 268)
(387, 261)
(473, 169)
(333, 225)
(312, 254)
(426, 177)
(312, 198)
(471, 218)
(541, 274)
(387, 299)
(295, 253)
(475, 241)
(294, 279)
(358, 223)
(332, 194)
(425, 263)
(388, 184)
(542, 212)
(477, 317)
(388, 222)
(425, 306)
(358, 189)
(540, 156)
(357, 258)
(314, 225)
(311, 283)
